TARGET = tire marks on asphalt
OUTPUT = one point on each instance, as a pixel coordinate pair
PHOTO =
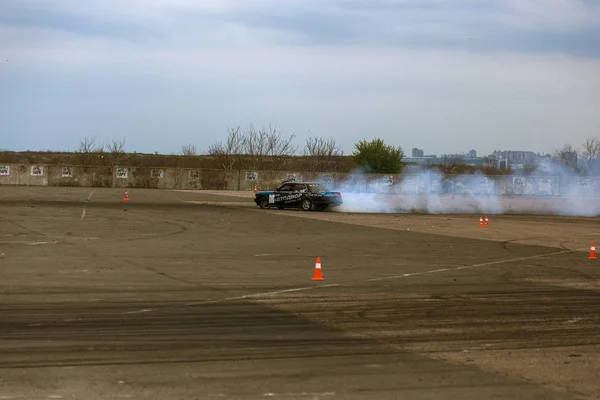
(349, 283)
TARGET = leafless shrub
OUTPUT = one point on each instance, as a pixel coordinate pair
(567, 156)
(253, 149)
(88, 152)
(279, 149)
(227, 153)
(450, 163)
(115, 150)
(189, 150)
(320, 154)
(590, 151)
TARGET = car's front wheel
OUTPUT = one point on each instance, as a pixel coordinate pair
(306, 204)
(264, 202)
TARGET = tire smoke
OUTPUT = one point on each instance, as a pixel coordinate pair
(553, 190)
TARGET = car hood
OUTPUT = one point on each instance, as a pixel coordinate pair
(265, 192)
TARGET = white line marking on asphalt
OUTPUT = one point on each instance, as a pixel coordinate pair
(475, 265)
(305, 288)
(139, 311)
(303, 394)
(384, 278)
(249, 296)
(85, 204)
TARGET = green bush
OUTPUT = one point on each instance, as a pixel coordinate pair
(376, 157)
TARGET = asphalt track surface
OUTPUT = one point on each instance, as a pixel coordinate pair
(162, 299)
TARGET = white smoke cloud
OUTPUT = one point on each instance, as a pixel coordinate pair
(553, 190)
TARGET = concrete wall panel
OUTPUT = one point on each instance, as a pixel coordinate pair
(22, 174)
(198, 179)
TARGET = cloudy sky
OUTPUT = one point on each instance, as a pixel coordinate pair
(442, 75)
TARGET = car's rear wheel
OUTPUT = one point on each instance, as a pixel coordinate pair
(264, 202)
(306, 204)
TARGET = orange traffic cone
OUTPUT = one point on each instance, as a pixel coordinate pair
(593, 252)
(255, 189)
(487, 222)
(318, 274)
(480, 220)
(126, 198)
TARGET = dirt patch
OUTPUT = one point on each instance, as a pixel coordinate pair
(537, 337)
(570, 369)
(567, 283)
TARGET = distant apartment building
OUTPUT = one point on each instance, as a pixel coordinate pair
(520, 159)
(515, 157)
(502, 159)
(417, 152)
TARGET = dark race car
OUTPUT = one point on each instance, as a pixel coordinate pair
(304, 195)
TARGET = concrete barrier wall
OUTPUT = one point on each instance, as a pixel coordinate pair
(79, 176)
(198, 179)
(21, 174)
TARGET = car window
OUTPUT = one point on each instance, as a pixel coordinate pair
(318, 188)
(288, 187)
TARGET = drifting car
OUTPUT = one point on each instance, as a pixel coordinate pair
(304, 195)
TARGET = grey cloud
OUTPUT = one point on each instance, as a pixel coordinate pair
(470, 25)
(89, 24)
(465, 25)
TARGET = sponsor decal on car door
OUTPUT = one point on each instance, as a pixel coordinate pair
(282, 194)
(290, 198)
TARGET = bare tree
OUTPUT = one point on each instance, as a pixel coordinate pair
(567, 156)
(116, 151)
(256, 149)
(189, 150)
(228, 153)
(279, 149)
(590, 151)
(266, 148)
(321, 153)
(489, 162)
(88, 151)
(450, 163)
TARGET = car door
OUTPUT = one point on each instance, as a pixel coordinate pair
(299, 191)
(303, 191)
(280, 196)
(290, 196)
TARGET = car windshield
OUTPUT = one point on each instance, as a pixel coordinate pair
(318, 188)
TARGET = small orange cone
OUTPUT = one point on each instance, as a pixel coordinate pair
(593, 252)
(480, 220)
(487, 221)
(318, 274)
(126, 198)
(255, 189)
